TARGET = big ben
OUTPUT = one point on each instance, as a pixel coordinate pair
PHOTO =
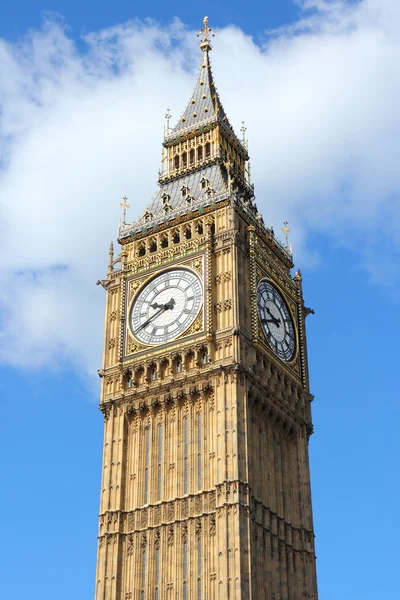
(205, 490)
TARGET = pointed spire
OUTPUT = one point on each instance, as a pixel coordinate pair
(204, 106)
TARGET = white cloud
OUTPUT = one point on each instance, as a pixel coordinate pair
(78, 130)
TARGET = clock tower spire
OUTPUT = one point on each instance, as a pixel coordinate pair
(205, 393)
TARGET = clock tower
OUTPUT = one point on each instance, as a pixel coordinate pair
(205, 488)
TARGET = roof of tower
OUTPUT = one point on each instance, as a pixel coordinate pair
(204, 106)
(215, 178)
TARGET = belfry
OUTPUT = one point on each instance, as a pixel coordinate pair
(205, 490)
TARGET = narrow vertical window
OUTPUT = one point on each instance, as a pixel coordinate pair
(144, 558)
(146, 467)
(199, 567)
(199, 452)
(157, 579)
(159, 465)
(186, 457)
(185, 557)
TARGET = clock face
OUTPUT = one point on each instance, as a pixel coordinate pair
(166, 306)
(276, 321)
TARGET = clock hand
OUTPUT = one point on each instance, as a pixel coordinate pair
(275, 319)
(151, 318)
(168, 306)
(156, 305)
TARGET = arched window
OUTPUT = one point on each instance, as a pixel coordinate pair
(184, 160)
(208, 150)
(176, 238)
(153, 373)
(153, 246)
(178, 364)
(200, 153)
(142, 250)
(203, 357)
(176, 161)
(200, 228)
(191, 157)
(164, 242)
(188, 233)
(130, 383)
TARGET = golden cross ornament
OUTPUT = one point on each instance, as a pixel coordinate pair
(124, 205)
(206, 31)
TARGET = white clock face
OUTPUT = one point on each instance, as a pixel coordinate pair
(166, 306)
(276, 321)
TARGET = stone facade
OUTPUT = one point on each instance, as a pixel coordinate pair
(206, 487)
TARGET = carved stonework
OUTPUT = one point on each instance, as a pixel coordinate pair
(206, 434)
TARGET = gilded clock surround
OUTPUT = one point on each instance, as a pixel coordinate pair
(136, 283)
(205, 459)
(292, 307)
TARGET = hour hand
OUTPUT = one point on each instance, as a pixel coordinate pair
(169, 305)
(156, 305)
(273, 320)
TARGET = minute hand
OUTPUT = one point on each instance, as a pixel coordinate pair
(151, 318)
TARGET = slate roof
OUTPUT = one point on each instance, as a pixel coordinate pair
(204, 105)
(197, 195)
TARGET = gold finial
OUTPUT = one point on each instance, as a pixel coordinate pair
(206, 32)
(124, 205)
(167, 117)
(286, 230)
(243, 129)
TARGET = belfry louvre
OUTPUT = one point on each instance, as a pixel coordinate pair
(205, 489)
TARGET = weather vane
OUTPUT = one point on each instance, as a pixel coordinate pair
(206, 32)
(124, 205)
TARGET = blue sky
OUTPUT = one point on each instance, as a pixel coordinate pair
(80, 109)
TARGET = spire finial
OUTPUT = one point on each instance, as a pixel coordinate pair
(206, 33)
(243, 129)
(167, 118)
(124, 205)
(286, 230)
